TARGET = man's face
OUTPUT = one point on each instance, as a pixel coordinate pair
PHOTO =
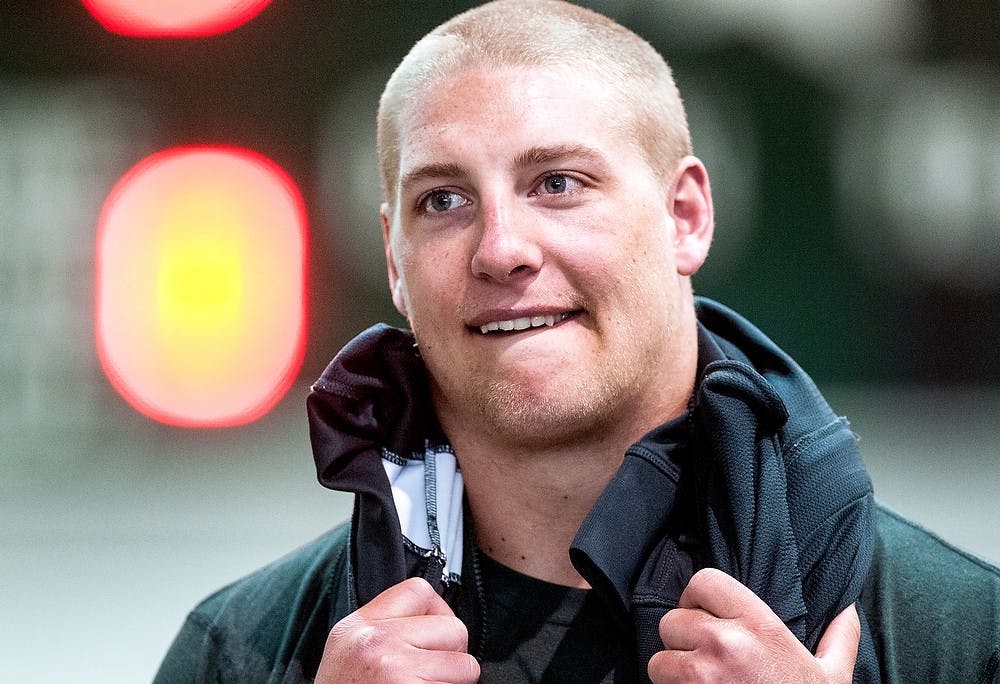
(532, 249)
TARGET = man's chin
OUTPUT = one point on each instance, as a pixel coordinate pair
(536, 419)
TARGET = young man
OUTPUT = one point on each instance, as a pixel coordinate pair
(571, 470)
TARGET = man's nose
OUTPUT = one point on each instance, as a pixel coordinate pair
(507, 246)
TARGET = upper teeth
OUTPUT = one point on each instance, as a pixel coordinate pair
(522, 323)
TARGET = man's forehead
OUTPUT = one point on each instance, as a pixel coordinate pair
(481, 94)
(519, 115)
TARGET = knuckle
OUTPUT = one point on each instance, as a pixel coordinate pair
(360, 641)
(370, 639)
(698, 670)
(688, 667)
(730, 644)
(707, 576)
(469, 668)
(695, 670)
(671, 626)
(460, 632)
(667, 620)
(387, 661)
(357, 651)
(418, 586)
(712, 580)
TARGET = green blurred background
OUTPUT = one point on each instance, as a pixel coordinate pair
(854, 150)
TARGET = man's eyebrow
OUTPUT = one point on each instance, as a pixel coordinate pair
(435, 170)
(534, 156)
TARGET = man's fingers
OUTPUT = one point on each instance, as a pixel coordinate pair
(451, 667)
(723, 632)
(666, 667)
(413, 596)
(431, 632)
(415, 614)
(406, 633)
(838, 649)
(685, 629)
(719, 594)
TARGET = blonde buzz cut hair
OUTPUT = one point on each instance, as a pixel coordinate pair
(537, 33)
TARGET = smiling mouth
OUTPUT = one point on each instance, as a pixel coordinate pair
(523, 323)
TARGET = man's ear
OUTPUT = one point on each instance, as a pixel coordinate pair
(693, 214)
(396, 286)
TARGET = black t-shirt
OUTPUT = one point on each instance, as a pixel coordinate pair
(538, 632)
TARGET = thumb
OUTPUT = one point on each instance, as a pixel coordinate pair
(838, 649)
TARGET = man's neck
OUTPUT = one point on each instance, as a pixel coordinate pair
(527, 508)
(528, 504)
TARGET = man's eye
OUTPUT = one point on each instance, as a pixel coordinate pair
(442, 200)
(557, 183)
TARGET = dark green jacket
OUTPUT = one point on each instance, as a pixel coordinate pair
(934, 610)
(769, 488)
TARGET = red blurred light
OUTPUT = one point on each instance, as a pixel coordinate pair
(200, 310)
(173, 18)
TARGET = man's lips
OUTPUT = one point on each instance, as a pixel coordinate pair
(517, 321)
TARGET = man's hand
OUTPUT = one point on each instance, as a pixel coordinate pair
(405, 634)
(722, 632)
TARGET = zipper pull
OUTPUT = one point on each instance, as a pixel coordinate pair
(434, 573)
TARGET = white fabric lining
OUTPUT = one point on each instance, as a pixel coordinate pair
(412, 479)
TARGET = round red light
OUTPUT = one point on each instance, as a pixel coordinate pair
(200, 310)
(173, 18)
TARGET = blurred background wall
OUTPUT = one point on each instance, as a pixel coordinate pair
(854, 150)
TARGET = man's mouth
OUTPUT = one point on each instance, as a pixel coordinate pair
(523, 323)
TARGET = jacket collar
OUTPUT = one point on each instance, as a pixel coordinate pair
(372, 396)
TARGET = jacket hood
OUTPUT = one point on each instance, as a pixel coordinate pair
(785, 397)
(372, 397)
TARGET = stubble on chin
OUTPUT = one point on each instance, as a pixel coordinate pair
(513, 415)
